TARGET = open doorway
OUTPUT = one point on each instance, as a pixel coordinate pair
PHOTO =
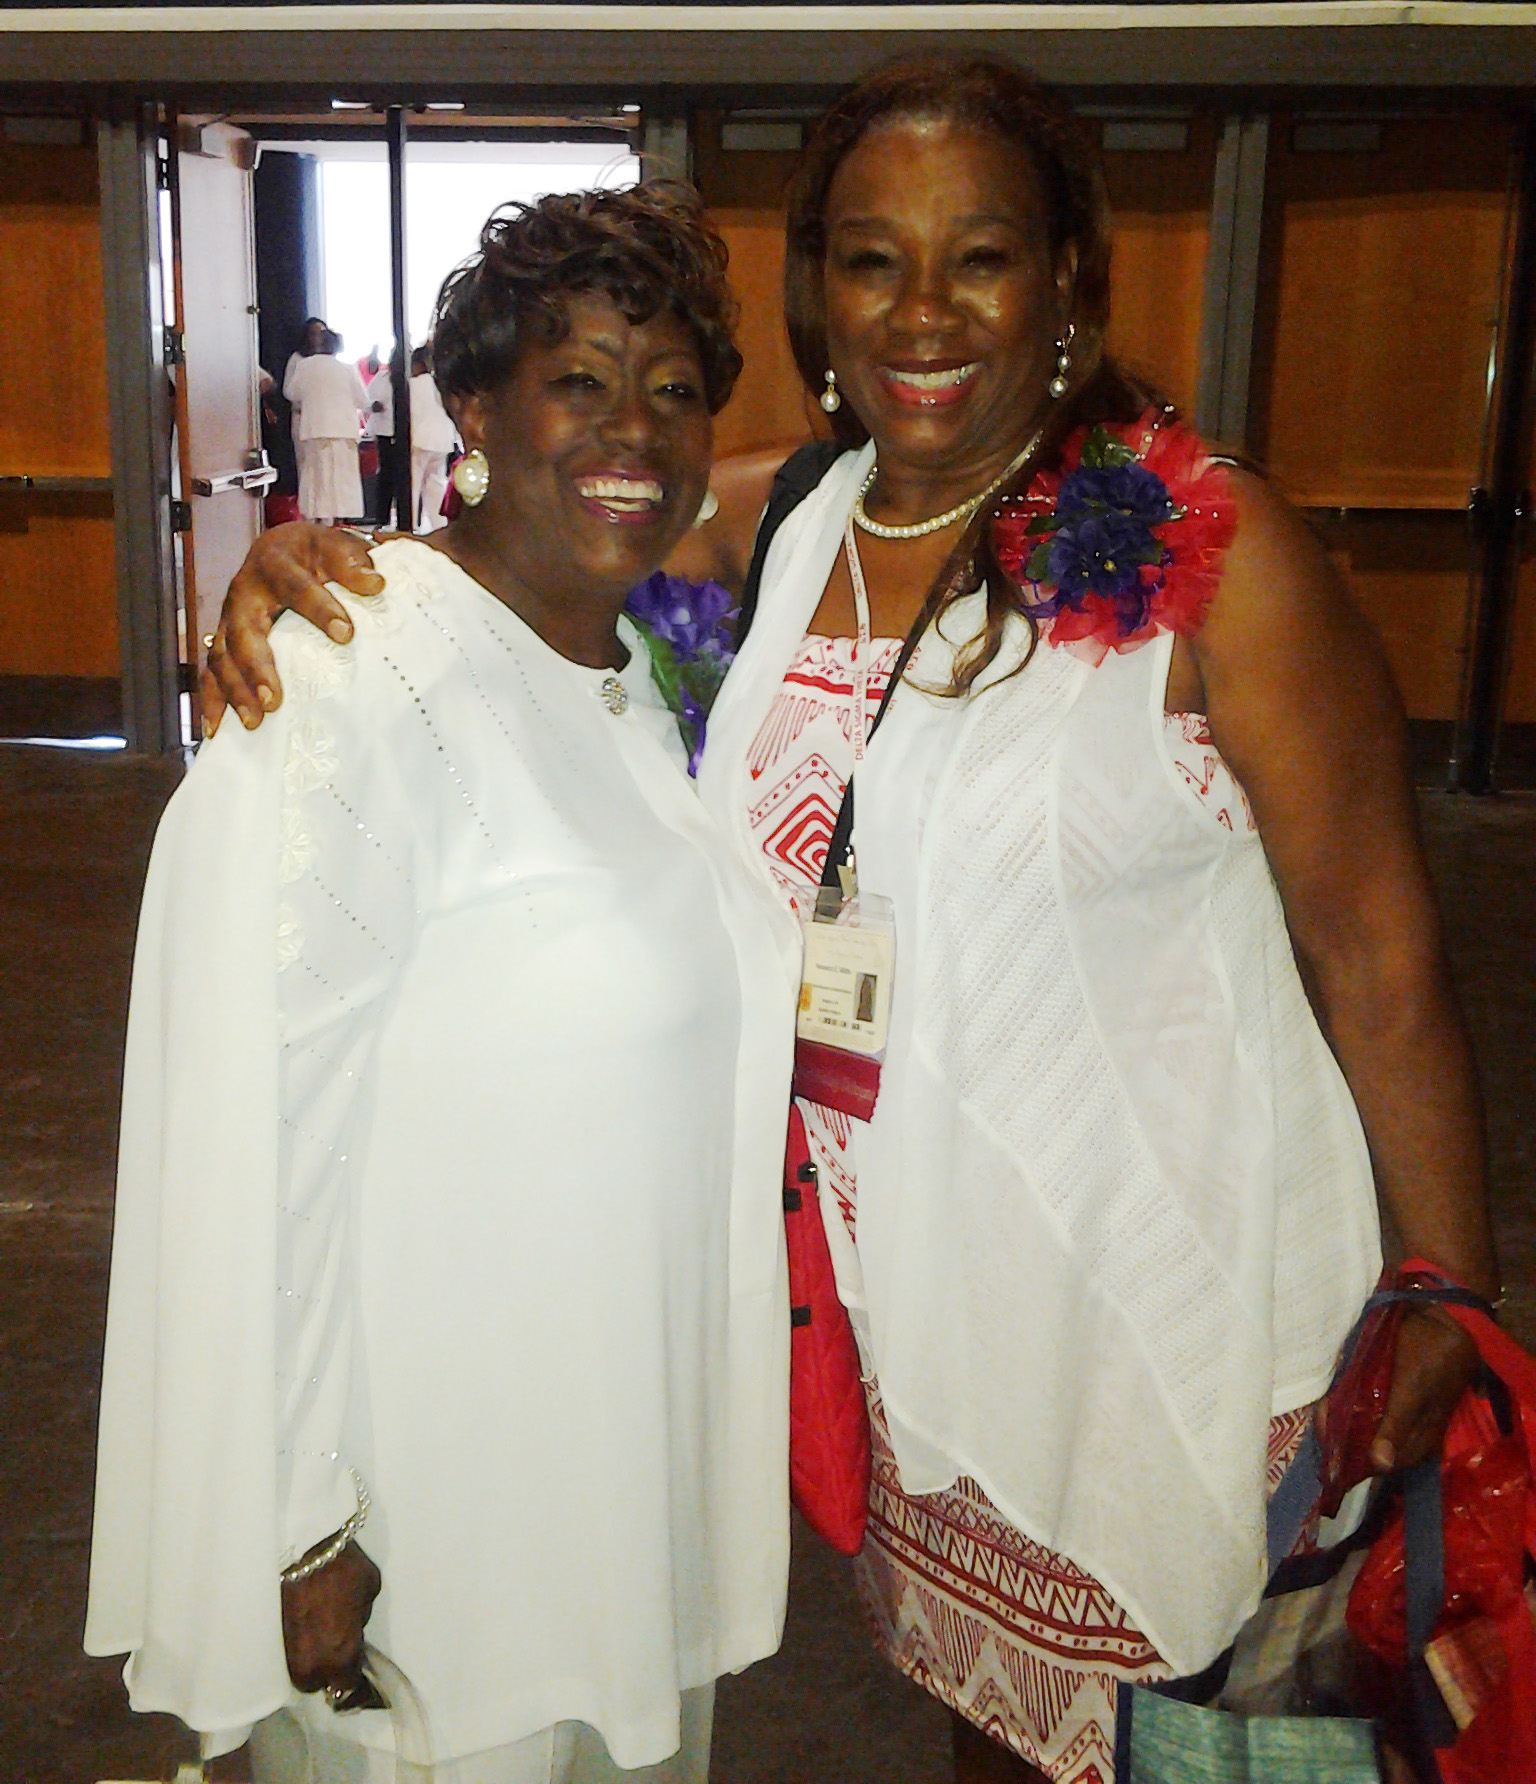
(324, 233)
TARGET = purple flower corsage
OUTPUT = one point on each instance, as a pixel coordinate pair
(690, 631)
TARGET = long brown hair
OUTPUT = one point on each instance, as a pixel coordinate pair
(1003, 100)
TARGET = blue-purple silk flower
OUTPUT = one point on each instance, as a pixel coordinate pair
(690, 628)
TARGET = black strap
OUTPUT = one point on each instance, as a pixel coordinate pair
(840, 847)
(792, 483)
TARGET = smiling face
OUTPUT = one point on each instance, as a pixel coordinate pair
(943, 299)
(599, 447)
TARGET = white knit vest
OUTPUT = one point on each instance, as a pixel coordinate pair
(1115, 1204)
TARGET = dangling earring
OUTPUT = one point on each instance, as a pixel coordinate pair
(708, 508)
(472, 477)
(1058, 384)
(829, 399)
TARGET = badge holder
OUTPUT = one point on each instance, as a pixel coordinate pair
(845, 999)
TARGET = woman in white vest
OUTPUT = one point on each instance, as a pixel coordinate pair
(1116, 1208)
(492, 1308)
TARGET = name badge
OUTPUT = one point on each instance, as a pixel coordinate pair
(845, 999)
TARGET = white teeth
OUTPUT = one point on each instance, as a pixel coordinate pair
(622, 491)
(934, 380)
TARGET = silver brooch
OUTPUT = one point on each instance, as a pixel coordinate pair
(614, 695)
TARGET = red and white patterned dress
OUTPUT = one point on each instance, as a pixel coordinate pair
(1004, 1631)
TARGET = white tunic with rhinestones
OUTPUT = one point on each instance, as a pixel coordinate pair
(480, 1165)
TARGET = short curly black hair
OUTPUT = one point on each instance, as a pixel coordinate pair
(649, 248)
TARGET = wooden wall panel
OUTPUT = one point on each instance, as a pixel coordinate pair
(53, 398)
(770, 406)
(745, 194)
(1410, 573)
(1382, 277)
(1162, 206)
(58, 585)
(58, 589)
(1371, 367)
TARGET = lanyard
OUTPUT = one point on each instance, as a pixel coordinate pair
(862, 729)
(840, 847)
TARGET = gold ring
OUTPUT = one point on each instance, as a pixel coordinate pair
(207, 640)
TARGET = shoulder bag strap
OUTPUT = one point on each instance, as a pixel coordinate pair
(840, 845)
(792, 483)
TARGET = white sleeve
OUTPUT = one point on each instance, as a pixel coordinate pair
(278, 904)
(346, 918)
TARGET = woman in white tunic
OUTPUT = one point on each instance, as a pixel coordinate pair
(502, 1041)
(329, 404)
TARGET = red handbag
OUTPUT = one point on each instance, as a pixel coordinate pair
(828, 1420)
(1446, 1586)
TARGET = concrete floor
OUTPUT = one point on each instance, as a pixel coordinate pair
(74, 837)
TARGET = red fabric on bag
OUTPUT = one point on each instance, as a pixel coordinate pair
(1355, 1403)
(828, 1420)
(1489, 1523)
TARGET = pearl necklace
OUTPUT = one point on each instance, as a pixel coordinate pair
(919, 529)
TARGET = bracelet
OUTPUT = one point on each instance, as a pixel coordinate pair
(1418, 1266)
(301, 1570)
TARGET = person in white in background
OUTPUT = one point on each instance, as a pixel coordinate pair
(330, 400)
(433, 437)
(380, 425)
(311, 341)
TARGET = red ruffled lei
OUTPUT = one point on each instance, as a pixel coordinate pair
(1180, 556)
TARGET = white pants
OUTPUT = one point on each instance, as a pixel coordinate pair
(429, 484)
(300, 1746)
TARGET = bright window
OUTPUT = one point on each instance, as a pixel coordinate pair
(450, 190)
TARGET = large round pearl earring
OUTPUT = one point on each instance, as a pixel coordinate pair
(472, 477)
(829, 399)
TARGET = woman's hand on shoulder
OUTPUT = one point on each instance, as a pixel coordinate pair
(287, 568)
(720, 548)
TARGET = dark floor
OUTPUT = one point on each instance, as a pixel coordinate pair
(74, 835)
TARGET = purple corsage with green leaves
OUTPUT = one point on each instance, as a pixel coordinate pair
(690, 631)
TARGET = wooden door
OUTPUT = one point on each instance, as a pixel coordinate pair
(219, 452)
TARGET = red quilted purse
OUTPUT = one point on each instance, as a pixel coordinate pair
(828, 1421)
